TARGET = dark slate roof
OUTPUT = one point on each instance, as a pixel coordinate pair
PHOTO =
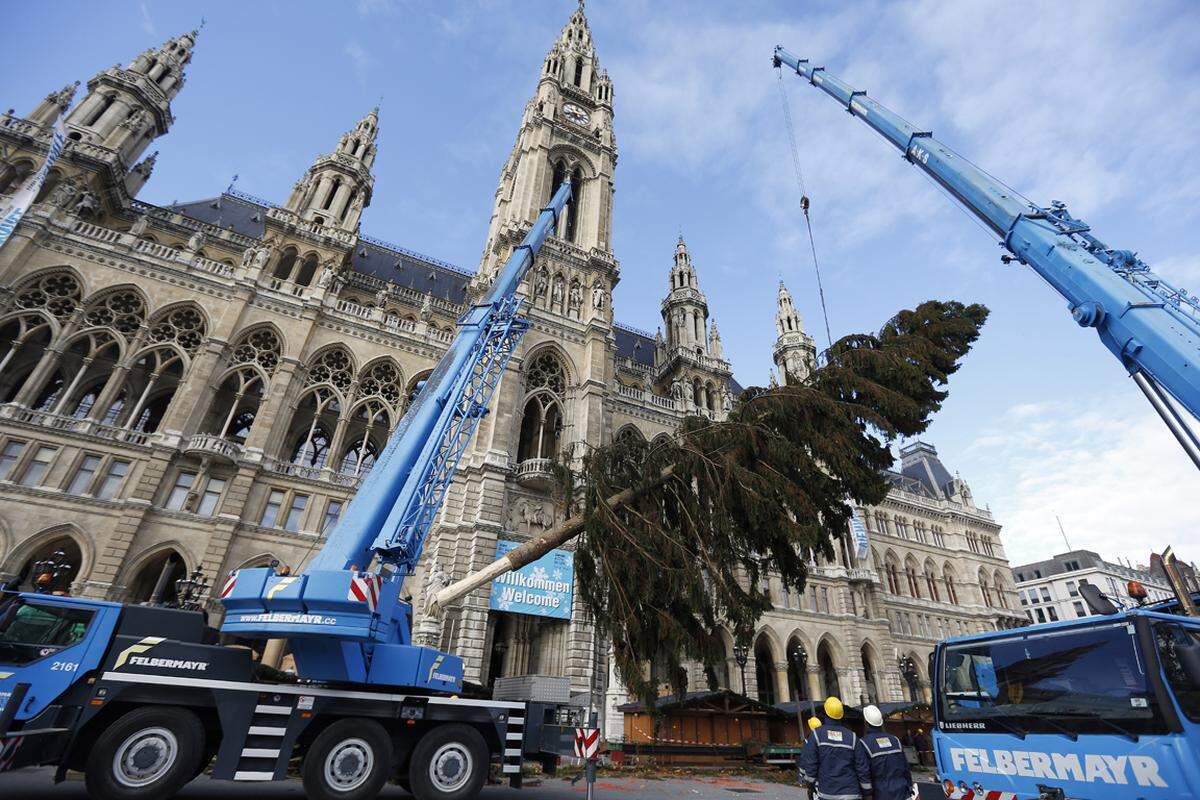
(246, 214)
(227, 211)
(406, 268)
(919, 461)
(634, 344)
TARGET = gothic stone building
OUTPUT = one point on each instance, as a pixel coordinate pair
(203, 385)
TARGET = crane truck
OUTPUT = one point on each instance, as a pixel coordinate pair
(142, 699)
(1106, 707)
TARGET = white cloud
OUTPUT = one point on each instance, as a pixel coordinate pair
(361, 59)
(1104, 473)
(146, 22)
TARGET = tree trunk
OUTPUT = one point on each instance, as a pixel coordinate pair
(534, 549)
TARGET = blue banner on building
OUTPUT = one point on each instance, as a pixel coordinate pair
(544, 588)
(23, 198)
(858, 531)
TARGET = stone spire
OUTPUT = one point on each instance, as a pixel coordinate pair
(56, 103)
(129, 107)
(795, 352)
(565, 134)
(338, 186)
(685, 308)
(138, 176)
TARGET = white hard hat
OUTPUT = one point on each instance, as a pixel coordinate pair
(873, 716)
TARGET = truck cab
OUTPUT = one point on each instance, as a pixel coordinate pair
(1100, 708)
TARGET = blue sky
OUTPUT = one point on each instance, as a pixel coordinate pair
(1091, 103)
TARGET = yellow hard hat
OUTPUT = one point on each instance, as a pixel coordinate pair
(833, 708)
(814, 723)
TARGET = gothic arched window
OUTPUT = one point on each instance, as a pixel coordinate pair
(287, 261)
(579, 72)
(183, 325)
(23, 341)
(261, 347)
(333, 190)
(542, 419)
(58, 293)
(122, 310)
(306, 271)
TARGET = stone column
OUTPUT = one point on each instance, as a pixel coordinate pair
(814, 684)
(49, 361)
(271, 406)
(782, 693)
(118, 111)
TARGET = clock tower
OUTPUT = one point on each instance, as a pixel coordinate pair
(566, 135)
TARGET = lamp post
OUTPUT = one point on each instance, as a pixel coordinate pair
(741, 654)
(189, 590)
(49, 570)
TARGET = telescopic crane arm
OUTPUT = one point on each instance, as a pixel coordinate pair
(344, 621)
(1152, 327)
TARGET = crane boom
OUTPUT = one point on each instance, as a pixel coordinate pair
(349, 624)
(1152, 327)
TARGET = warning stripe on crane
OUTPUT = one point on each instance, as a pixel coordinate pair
(229, 584)
(365, 588)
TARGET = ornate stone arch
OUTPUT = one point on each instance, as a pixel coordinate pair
(261, 560)
(22, 551)
(574, 157)
(58, 290)
(772, 638)
(262, 344)
(629, 430)
(183, 323)
(333, 365)
(132, 572)
(123, 308)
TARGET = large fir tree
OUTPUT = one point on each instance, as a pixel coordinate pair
(679, 534)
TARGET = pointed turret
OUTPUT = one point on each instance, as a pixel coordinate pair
(138, 176)
(56, 103)
(337, 187)
(685, 308)
(795, 352)
(566, 134)
(129, 107)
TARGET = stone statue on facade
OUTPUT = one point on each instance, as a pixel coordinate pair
(262, 254)
(599, 296)
(62, 194)
(541, 284)
(556, 296)
(195, 242)
(87, 205)
(436, 579)
(139, 225)
(575, 298)
(133, 123)
(426, 312)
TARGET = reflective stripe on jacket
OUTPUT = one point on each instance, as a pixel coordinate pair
(890, 774)
(832, 759)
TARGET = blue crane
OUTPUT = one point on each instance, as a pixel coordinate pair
(345, 622)
(1152, 327)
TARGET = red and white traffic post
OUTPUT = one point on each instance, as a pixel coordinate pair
(587, 746)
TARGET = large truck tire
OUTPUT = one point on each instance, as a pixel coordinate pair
(349, 760)
(450, 762)
(149, 753)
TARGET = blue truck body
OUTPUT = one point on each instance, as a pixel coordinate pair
(1042, 722)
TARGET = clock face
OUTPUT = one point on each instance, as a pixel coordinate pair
(575, 114)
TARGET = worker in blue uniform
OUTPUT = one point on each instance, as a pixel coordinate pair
(832, 765)
(891, 779)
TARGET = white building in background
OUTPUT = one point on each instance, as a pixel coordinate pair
(1049, 590)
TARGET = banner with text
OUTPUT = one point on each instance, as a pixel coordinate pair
(22, 199)
(544, 588)
(858, 532)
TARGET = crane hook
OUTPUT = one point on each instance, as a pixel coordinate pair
(804, 204)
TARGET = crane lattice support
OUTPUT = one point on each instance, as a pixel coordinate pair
(349, 624)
